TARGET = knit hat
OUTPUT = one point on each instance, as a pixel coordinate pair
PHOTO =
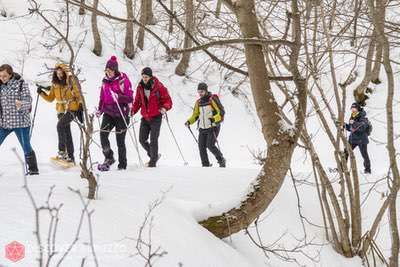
(147, 71)
(112, 64)
(202, 86)
(356, 105)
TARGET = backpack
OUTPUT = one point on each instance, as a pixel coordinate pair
(369, 127)
(219, 104)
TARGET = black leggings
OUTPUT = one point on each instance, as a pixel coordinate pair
(152, 128)
(65, 142)
(207, 140)
(364, 154)
(107, 125)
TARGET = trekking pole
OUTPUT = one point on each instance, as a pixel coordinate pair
(133, 138)
(216, 138)
(176, 142)
(34, 116)
(193, 134)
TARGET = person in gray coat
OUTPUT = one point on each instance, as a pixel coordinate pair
(15, 108)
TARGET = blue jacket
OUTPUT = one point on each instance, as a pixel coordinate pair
(358, 129)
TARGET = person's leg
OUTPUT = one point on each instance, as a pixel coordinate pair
(3, 134)
(65, 122)
(346, 153)
(107, 125)
(364, 154)
(203, 147)
(155, 126)
(23, 135)
(211, 145)
(144, 133)
(121, 129)
(61, 133)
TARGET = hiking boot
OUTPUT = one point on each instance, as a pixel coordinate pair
(121, 166)
(62, 155)
(109, 161)
(222, 163)
(32, 163)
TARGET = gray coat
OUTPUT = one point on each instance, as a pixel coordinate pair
(10, 116)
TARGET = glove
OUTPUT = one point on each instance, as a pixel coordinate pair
(98, 113)
(187, 124)
(39, 90)
(163, 111)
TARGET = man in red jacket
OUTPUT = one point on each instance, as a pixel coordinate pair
(153, 100)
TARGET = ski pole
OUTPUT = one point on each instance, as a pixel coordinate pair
(34, 116)
(193, 134)
(133, 138)
(176, 142)
(216, 138)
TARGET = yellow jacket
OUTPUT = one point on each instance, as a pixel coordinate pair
(208, 114)
(67, 96)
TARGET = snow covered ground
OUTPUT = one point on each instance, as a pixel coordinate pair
(188, 193)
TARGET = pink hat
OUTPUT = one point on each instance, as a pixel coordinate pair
(112, 64)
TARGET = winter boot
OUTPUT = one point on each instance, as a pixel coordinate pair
(32, 163)
(153, 163)
(222, 162)
(106, 164)
(62, 155)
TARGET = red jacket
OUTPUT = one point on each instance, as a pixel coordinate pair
(159, 98)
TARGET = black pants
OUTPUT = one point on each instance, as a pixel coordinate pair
(107, 125)
(208, 139)
(364, 154)
(152, 128)
(65, 142)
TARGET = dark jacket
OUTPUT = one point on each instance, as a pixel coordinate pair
(358, 129)
(10, 116)
(158, 98)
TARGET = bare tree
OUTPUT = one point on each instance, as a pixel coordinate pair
(150, 20)
(189, 25)
(281, 137)
(142, 20)
(81, 8)
(97, 50)
(129, 50)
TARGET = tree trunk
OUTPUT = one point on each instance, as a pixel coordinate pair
(281, 140)
(378, 17)
(150, 20)
(97, 50)
(171, 19)
(143, 19)
(189, 25)
(81, 8)
(218, 9)
(129, 50)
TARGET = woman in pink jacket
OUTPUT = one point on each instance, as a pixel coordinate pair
(116, 97)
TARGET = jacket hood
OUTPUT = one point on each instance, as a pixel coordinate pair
(65, 68)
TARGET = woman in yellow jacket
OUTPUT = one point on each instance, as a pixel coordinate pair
(64, 90)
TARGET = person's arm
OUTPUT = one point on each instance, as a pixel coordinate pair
(360, 126)
(127, 96)
(195, 115)
(165, 98)
(138, 101)
(26, 98)
(49, 97)
(217, 117)
(75, 90)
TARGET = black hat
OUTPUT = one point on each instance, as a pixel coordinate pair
(147, 71)
(202, 86)
(356, 105)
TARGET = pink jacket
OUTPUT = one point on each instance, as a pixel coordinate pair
(121, 88)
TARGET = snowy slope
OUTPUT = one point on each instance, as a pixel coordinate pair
(191, 193)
